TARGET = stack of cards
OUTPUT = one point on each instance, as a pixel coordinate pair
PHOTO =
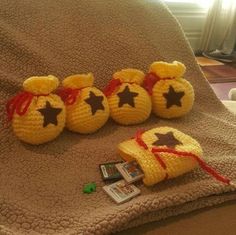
(121, 191)
(130, 171)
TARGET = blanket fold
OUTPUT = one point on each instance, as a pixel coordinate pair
(41, 187)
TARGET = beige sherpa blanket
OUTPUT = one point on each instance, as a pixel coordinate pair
(41, 186)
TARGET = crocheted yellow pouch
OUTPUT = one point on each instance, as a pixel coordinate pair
(165, 153)
(172, 95)
(129, 102)
(37, 115)
(86, 106)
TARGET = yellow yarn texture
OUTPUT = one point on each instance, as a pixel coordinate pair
(90, 111)
(129, 103)
(45, 117)
(172, 96)
(164, 165)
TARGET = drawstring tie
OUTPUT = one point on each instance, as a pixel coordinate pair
(19, 104)
(112, 85)
(68, 95)
(150, 80)
(157, 150)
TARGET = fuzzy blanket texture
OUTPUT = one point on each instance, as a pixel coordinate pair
(41, 186)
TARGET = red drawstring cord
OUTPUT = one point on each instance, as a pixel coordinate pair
(201, 163)
(20, 104)
(112, 85)
(150, 80)
(68, 95)
(139, 140)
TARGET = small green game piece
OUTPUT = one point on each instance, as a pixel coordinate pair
(89, 188)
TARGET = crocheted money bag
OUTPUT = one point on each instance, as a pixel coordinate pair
(172, 96)
(37, 115)
(129, 102)
(165, 153)
(86, 106)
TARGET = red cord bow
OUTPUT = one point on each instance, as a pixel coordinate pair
(68, 95)
(176, 153)
(19, 104)
(201, 163)
(112, 85)
(150, 80)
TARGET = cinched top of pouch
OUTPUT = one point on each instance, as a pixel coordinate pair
(41, 85)
(130, 76)
(78, 81)
(162, 69)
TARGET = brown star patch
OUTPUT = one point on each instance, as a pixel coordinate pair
(126, 97)
(49, 114)
(173, 97)
(95, 102)
(167, 139)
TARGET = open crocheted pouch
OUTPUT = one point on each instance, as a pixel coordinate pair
(165, 153)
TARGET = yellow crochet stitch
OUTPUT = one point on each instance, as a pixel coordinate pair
(163, 165)
(172, 95)
(89, 110)
(129, 103)
(44, 116)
